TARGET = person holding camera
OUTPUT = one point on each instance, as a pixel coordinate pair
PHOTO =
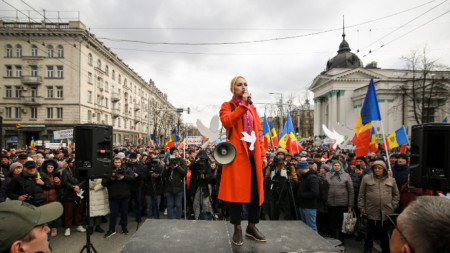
(138, 171)
(153, 186)
(200, 178)
(29, 185)
(242, 179)
(173, 183)
(50, 167)
(280, 177)
(119, 192)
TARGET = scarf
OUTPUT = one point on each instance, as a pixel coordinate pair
(247, 119)
(337, 174)
(26, 174)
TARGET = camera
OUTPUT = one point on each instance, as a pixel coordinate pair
(277, 160)
(29, 198)
(118, 172)
(173, 160)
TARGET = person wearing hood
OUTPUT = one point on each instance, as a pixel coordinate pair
(378, 197)
(50, 167)
(307, 194)
(14, 170)
(200, 177)
(401, 170)
(340, 197)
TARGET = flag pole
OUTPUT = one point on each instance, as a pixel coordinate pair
(386, 146)
(406, 135)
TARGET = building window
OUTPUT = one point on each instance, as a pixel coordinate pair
(106, 103)
(59, 71)
(60, 51)
(50, 73)
(8, 71)
(33, 70)
(106, 86)
(33, 113)
(120, 79)
(90, 77)
(8, 112)
(106, 119)
(118, 122)
(18, 112)
(99, 100)
(34, 91)
(18, 70)
(113, 74)
(107, 70)
(8, 50)
(18, 91)
(90, 59)
(89, 116)
(99, 82)
(125, 82)
(34, 50)
(8, 91)
(98, 117)
(99, 64)
(59, 113)
(49, 91)
(50, 51)
(59, 92)
(18, 50)
(49, 113)
(89, 97)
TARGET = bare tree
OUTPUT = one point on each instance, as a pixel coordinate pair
(428, 88)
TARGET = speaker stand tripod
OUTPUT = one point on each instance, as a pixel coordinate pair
(88, 246)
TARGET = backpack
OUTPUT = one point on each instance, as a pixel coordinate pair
(323, 189)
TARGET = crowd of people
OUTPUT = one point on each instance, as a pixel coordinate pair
(316, 186)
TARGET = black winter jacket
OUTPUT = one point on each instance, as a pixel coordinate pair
(308, 190)
(137, 168)
(68, 183)
(120, 189)
(21, 185)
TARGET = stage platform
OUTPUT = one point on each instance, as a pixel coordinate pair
(215, 236)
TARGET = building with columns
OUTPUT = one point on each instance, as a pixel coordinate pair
(339, 93)
(57, 75)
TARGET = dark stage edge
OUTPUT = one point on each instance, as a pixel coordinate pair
(215, 236)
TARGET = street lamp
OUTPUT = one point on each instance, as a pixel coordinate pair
(280, 106)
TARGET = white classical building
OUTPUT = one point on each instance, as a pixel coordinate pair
(339, 93)
(57, 75)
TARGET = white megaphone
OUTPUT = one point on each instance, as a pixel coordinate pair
(224, 153)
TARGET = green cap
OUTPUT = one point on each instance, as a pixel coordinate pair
(18, 218)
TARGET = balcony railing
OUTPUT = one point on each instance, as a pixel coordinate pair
(137, 106)
(137, 117)
(31, 79)
(31, 100)
(115, 112)
(115, 96)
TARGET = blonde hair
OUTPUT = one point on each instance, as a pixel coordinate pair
(233, 82)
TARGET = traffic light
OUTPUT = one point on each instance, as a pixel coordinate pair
(179, 110)
(189, 110)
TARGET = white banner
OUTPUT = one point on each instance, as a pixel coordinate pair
(63, 134)
(328, 141)
(55, 145)
(194, 140)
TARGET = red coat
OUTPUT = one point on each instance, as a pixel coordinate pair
(235, 185)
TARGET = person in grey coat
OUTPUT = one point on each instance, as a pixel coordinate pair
(340, 197)
(378, 197)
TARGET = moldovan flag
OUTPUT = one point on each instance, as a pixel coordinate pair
(274, 136)
(172, 139)
(69, 142)
(32, 143)
(183, 144)
(370, 111)
(397, 138)
(60, 145)
(266, 133)
(373, 140)
(288, 140)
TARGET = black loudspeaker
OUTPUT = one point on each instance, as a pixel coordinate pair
(430, 156)
(93, 154)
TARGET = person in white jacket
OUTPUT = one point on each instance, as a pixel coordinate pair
(98, 204)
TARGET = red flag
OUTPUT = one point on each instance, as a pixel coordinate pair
(403, 148)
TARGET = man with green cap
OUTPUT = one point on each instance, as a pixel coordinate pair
(22, 226)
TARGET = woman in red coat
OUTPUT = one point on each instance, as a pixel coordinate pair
(242, 180)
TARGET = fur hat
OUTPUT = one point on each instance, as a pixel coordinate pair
(281, 150)
(13, 166)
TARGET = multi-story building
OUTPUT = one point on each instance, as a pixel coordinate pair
(406, 97)
(57, 75)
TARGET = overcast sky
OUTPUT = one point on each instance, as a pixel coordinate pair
(289, 42)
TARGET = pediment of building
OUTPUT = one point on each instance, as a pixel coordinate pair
(344, 75)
